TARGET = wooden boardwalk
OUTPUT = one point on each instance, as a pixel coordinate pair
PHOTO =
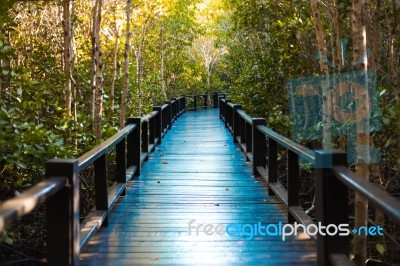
(197, 173)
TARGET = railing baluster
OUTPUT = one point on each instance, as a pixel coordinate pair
(293, 186)
(158, 124)
(100, 186)
(133, 145)
(168, 117)
(205, 101)
(195, 102)
(272, 164)
(332, 200)
(221, 105)
(152, 131)
(242, 131)
(227, 113)
(145, 137)
(259, 145)
(215, 100)
(120, 160)
(249, 136)
(174, 109)
(236, 122)
(62, 211)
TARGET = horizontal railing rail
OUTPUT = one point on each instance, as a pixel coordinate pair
(66, 236)
(30, 199)
(333, 179)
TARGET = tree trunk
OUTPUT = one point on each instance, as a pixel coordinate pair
(93, 76)
(98, 76)
(363, 157)
(375, 64)
(114, 68)
(338, 25)
(326, 118)
(163, 87)
(332, 28)
(140, 74)
(67, 54)
(392, 54)
(124, 96)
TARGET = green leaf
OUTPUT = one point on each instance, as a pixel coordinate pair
(8, 240)
(381, 249)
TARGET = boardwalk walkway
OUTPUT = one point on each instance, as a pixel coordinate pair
(198, 174)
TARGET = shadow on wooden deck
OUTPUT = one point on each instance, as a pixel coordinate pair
(198, 176)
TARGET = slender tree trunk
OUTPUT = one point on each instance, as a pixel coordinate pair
(5, 66)
(392, 54)
(124, 97)
(338, 25)
(362, 165)
(67, 54)
(332, 28)
(73, 84)
(163, 87)
(98, 76)
(93, 76)
(114, 66)
(339, 35)
(326, 118)
(140, 81)
(375, 171)
(114, 73)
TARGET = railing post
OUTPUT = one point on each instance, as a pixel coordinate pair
(236, 122)
(158, 124)
(205, 101)
(62, 211)
(178, 106)
(195, 102)
(259, 145)
(120, 160)
(215, 100)
(332, 204)
(174, 109)
(184, 103)
(249, 136)
(221, 106)
(134, 146)
(293, 186)
(242, 131)
(145, 137)
(272, 163)
(228, 114)
(169, 114)
(100, 185)
(164, 117)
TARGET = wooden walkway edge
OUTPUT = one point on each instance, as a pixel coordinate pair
(197, 176)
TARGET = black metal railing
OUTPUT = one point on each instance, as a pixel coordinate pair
(333, 179)
(202, 101)
(65, 235)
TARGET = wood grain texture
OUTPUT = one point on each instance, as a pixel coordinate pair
(197, 173)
